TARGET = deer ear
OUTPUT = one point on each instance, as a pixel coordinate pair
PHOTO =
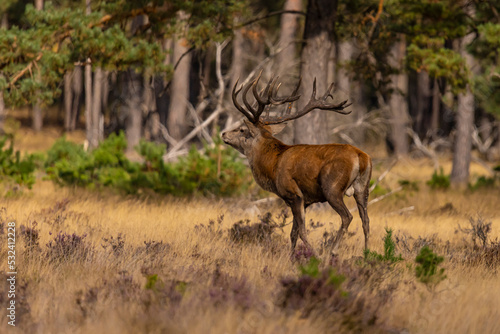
(254, 130)
(276, 128)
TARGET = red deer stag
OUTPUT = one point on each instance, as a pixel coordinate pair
(300, 174)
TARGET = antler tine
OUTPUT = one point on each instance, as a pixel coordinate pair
(263, 92)
(282, 100)
(329, 92)
(311, 105)
(247, 104)
(234, 96)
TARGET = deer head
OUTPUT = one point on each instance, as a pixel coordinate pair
(260, 123)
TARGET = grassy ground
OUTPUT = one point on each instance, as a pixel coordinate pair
(105, 263)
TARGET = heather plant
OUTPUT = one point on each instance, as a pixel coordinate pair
(66, 246)
(260, 232)
(330, 294)
(31, 237)
(213, 229)
(225, 289)
(483, 250)
(116, 245)
(153, 247)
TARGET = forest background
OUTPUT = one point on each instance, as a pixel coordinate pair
(423, 76)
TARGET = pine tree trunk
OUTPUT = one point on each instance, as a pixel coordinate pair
(463, 139)
(462, 146)
(77, 88)
(96, 108)
(359, 109)
(179, 92)
(4, 25)
(152, 127)
(436, 105)
(288, 36)
(236, 71)
(37, 116)
(318, 36)
(68, 100)
(423, 95)
(133, 109)
(398, 104)
(105, 90)
(161, 95)
(344, 53)
(88, 93)
(88, 103)
(2, 111)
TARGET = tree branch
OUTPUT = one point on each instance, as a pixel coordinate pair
(279, 12)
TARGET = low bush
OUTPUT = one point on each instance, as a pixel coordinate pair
(214, 170)
(14, 168)
(427, 269)
(389, 251)
(439, 180)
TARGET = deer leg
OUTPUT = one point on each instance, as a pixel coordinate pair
(299, 226)
(294, 234)
(337, 203)
(361, 198)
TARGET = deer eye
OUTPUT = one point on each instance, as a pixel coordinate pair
(242, 130)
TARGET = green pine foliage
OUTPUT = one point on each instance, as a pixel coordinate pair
(40, 46)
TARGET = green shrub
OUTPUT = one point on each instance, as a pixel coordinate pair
(409, 185)
(389, 251)
(483, 182)
(439, 180)
(427, 269)
(378, 190)
(13, 167)
(216, 171)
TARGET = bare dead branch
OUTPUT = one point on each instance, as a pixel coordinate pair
(384, 174)
(219, 109)
(424, 149)
(400, 211)
(196, 118)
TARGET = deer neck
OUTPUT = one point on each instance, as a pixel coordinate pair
(264, 159)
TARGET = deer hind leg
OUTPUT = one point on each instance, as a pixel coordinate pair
(361, 197)
(336, 201)
(299, 227)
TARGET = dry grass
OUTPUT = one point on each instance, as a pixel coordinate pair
(208, 284)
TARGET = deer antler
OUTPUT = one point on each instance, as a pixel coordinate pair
(268, 97)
